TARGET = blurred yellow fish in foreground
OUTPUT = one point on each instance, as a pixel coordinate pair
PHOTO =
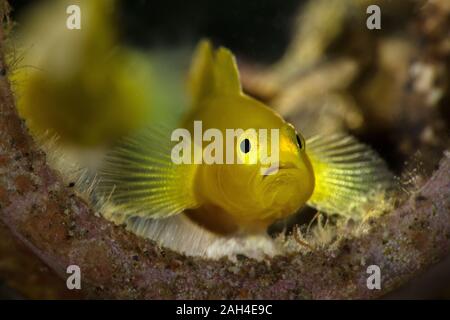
(141, 183)
(79, 85)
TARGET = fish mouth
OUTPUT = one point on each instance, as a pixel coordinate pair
(274, 168)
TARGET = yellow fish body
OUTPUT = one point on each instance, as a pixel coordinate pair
(140, 181)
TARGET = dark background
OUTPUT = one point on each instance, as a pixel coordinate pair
(257, 30)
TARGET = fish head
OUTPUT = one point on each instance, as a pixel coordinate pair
(271, 176)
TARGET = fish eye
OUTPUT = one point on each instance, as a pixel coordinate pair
(299, 141)
(245, 145)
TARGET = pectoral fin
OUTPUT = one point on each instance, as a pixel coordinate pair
(348, 175)
(139, 179)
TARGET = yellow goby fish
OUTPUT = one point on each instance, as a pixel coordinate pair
(140, 181)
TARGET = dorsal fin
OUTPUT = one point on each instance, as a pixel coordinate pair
(213, 72)
(226, 74)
